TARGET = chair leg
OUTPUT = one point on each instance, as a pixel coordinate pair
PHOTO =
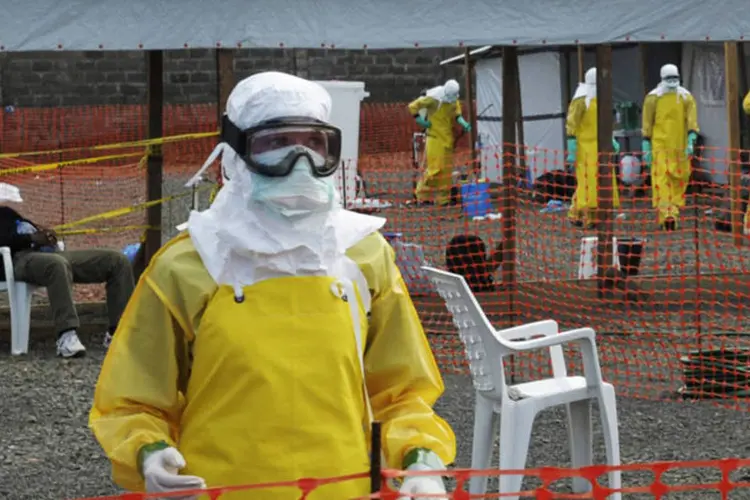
(608, 412)
(484, 438)
(516, 424)
(581, 452)
(21, 319)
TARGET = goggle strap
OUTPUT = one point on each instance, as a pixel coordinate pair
(233, 136)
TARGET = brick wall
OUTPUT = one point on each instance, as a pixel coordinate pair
(48, 79)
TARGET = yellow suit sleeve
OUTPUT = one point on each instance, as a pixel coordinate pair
(419, 103)
(458, 109)
(691, 114)
(649, 113)
(576, 110)
(138, 398)
(746, 103)
(403, 380)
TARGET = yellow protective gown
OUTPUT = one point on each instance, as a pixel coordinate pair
(746, 104)
(581, 124)
(269, 389)
(437, 179)
(668, 117)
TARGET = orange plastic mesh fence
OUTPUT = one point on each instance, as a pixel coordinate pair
(672, 318)
(643, 481)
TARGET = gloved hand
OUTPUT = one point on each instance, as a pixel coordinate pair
(646, 149)
(616, 145)
(464, 124)
(421, 459)
(160, 471)
(423, 122)
(414, 486)
(691, 138)
(572, 147)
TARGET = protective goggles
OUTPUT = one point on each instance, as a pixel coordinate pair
(273, 147)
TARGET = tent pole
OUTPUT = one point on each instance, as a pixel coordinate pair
(604, 193)
(470, 114)
(731, 79)
(580, 63)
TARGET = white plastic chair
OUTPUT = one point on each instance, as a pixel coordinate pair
(519, 404)
(19, 298)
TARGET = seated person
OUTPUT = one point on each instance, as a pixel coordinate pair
(466, 254)
(37, 260)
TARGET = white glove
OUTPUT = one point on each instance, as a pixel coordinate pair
(414, 486)
(160, 470)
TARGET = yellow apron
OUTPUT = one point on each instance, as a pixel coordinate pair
(276, 391)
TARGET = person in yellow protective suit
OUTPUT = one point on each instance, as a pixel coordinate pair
(261, 343)
(436, 111)
(670, 129)
(582, 146)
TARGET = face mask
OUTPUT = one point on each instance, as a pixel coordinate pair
(671, 82)
(296, 195)
(451, 98)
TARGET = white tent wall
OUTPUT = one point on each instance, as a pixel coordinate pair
(542, 106)
(703, 74)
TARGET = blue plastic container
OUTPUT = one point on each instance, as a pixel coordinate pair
(131, 250)
(391, 236)
(475, 199)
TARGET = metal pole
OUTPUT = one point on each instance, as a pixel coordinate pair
(375, 454)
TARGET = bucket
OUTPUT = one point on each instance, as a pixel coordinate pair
(475, 199)
(630, 251)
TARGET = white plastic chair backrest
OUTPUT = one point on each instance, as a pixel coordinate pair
(9, 282)
(486, 347)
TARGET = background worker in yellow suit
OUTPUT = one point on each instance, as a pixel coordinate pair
(670, 129)
(437, 111)
(260, 343)
(583, 147)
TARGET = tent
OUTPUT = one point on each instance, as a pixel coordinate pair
(549, 79)
(179, 24)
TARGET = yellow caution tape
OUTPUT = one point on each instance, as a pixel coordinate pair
(53, 166)
(75, 232)
(117, 145)
(119, 212)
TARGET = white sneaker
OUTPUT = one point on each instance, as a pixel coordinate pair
(107, 340)
(68, 345)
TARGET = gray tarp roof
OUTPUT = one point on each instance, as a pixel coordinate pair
(27, 25)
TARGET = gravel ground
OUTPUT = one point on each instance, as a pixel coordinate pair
(47, 452)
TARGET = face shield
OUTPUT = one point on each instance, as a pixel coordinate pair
(272, 148)
(671, 82)
(670, 76)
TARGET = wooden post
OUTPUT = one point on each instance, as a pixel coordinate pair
(743, 88)
(604, 194)
(580, 63)
(154, 164)
(470, 115)
(224, 77)
(643, 55)
(520, 139)
(731, 77)
(510, 120)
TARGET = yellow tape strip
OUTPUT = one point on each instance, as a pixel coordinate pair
(119, 212)
(117, 145)
(74, 232)
(60, 164)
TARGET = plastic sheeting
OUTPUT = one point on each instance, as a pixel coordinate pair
(542, 106)
(177, 24)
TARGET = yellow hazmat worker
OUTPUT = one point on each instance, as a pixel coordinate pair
(582, 146)
(436, 111)
(670, 129)
(260, 344)
(746, 103)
